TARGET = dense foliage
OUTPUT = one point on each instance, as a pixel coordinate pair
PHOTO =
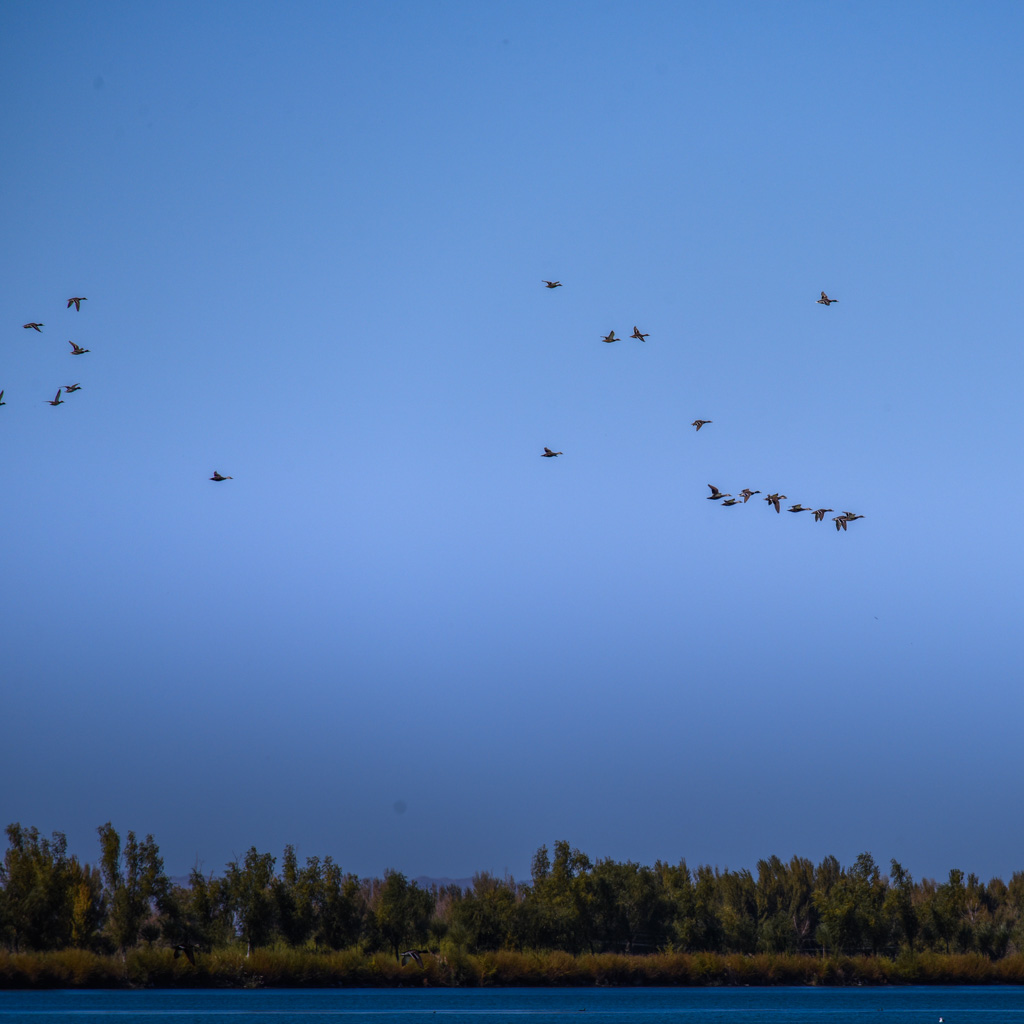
(665, 918)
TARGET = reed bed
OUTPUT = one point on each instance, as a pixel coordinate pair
(155, 967)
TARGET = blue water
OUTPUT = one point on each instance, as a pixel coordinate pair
(913, 1005)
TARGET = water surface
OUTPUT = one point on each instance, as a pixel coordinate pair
(910, 1005)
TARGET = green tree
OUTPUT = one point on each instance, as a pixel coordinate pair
(401, 911)
(898, 905)
(135, 884)
(36, 890)
(251, 899)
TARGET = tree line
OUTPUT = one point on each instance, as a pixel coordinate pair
(49, 900)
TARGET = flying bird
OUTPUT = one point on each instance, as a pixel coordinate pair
(797, 508)
(35, 326)
(77, 350)
(746, 494)
(732, 501)
(78, 299)
(700, 423)
(216, 476)
(57, 399)
(636, 334)
(840, 522)
(774, 499)
(610, 337)
(850, 516)
(189, 949)
(716, 494)
(2, 402)
(819, 513)
(825, 300)
(553, 284)
(549, 454)
(413, 954)
(68, 388)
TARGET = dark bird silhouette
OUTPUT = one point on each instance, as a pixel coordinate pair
(797, 508)
(636, 334)
(825, 300)
(819, 513)
(746, 494)
(716, 494)
(700, 423)
(732, 501)
(850, 516)
(549, 454)
(57, 399)
(413, 954)
(216, 476)
(774, 499)
(840, 522)
(34, 326)
(2, 402)
(610, 337)
(553, 284)
(77, 350)
(78, 299)
(189, 949)
(68, 388)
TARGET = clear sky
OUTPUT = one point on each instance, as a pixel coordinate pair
(312, 238)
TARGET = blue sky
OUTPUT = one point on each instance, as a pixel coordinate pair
(312, 238)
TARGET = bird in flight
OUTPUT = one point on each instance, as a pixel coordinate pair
(216, 476)
(413, 954)
(549, 454)
(840, 522)
(716, 493)
(189, 949)
(57, 400)
(636, 334)
(700, 423)
(774, 499)
(732, 501)
(610, 337)
(798, 508)
(2, 402)
(553, 284)
(34, 326)
(77, 301)
(68, 388)
(77, 350)
(819, 513)
(746, 494)
(850, 516)
(825, 300)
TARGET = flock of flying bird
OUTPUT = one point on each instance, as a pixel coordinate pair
(774, 500)
(67, 389)
(76, 350)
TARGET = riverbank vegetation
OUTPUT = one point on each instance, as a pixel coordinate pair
(576, 922)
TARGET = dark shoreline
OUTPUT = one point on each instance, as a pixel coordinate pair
(289, 968)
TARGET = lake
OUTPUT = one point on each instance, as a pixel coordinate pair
(910, 1005)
